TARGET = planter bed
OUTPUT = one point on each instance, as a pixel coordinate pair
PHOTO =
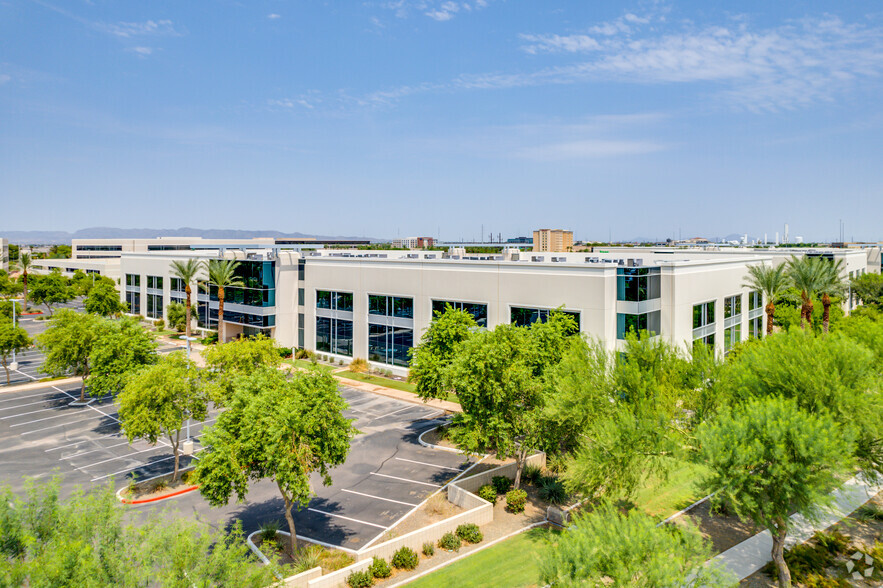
(156, 489)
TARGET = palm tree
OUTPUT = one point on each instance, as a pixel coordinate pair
(771, 282)
(24, 262)
(830, 284)
(805, 273)
(186, 271)
(222, 273)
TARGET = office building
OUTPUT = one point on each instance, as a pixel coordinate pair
(414, 243)
(552, 240)
(4, 254)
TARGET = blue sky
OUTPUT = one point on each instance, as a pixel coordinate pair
(407, 117)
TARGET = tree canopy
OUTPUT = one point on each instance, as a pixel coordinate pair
(277, 427)
(12, 339)
(49, 290)
(237, 358)
(122, 347)
(869, 289)
(67, 344)
(158, 399)
(609, 548)
(104, 300)
(432, 356)
(770, 458)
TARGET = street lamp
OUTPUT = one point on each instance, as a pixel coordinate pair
(14, 364)
(188, 443)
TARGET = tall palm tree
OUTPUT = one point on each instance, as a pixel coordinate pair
(187, 271)
(805, 274)
(830, 284)
(24, 262)
(222, 273)
(771, 282)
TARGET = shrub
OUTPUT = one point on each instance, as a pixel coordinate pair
(160, 485)
(516, 499)
(269, 530)
(869, 512)
(405, 559)
(823, 581)
(834, 541)
(159, 324)
(307, 558)
(803, 560)
(359, 365)
(360, 580)
(556, 464)
(340, 362)
(501, 484)
(488, 493)
(450, 542)
(470, 533)
(532, 473)
(437, 504)
(428, 549)
(284, 352)
(552, 490)
(379, 568)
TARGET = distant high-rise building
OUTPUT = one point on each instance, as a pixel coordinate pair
(785, 237)
(4, 254)
(555, 240)
(414, 242)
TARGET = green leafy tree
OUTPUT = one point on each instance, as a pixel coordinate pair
(104, 300)
(50, 289)
(60, 252)
(187, 271)
(865, 328)
(177, 316)
(24, 264)
(222, 274)
(158, 399)
(82, 540)
(6, 307)
(432, 356)
(242, 357)
(122, 347)
(8, 287)
(770, 458)
(833, 374)
(276, 427)
(67, 344)
(788, 313)
(607, 547)
(12, 340)
(806, 275)
(771, 281)
(869, 289)
(498, 378)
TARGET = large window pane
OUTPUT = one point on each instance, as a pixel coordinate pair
(403, 307)
(323, 334)
(323, 299)
(377, 305)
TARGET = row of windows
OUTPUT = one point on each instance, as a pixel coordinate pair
(334, 300)
(230, 316)
(524, 317)
(390, 306)
(99, 247)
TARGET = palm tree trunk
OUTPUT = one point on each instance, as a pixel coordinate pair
(187, 312)
(770, 312)
(809, 308)
(220, 314)
(24, 283)
(826, 312)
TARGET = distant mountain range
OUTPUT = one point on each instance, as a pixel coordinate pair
(59, 237)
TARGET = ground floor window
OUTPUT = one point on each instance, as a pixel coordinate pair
(732, 336)
(524, 317)
(334, 336)
(648, 321)
(755, 327)
(389, 344)
(478, 311)
(708, 340)
(154, 306)
(300, 330)
(133, 299)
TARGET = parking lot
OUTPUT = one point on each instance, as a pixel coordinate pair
(387, 474)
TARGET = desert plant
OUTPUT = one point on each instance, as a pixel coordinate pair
(470, 533)
(405, 559)
(516, 499)
(437, 505)
(834, 541)
(552, 490)
(360, 580)
(501, 484)
(450, 542)
(488, 493)
(160, 485)
(334, 559)
(825, 581)
(428, 549)
(269, 530)
(307, 558)
(803, 561)
(379, 568)
(340, 362)
(359, 365)
(532, 473)
(869, 512)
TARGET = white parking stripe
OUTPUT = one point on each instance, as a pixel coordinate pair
(164, 446)
(378, 497)
(434, 465)
(54, 426)
(405, 480)
(140, 466)
(44, 393)
(83, 441)
(12, 416)
(397, 411)
(23, 405)
(331, 514)
(64, 414)
(91, 451)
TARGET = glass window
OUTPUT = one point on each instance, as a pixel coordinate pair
(133, 299)
(524, 317)
(755, 299)
(636, 284)
(478, 311)
(301, 267)
(300, 296)
(323, 300)
(154, 282)
(334, 336)
(377, 304)
(403, 307)
(732, 306)
(133, 280)
(388, 344)
(154, 306)
(755, 327)
(707, 340)
(300, 330)
(703, 314)
(343, 301)
(380, 305)
(178, 285)
(732, 336)
(649, 322)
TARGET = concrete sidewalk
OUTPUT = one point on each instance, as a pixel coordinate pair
(40, 384)
(752, 554)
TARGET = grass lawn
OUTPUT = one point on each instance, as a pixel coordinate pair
(307, 364)
(387, 382)
(662, 498)
(509, 564)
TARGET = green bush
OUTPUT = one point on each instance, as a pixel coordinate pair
(824, 581)
(450, 542)
(552, 490)
(869, 512)
(269, 530)
(803, 560)
(307, 558)
(470, 533)
(379, 568)
(360, 580)
(488, 493)
(428, 549)
(284, 352)
(515, 500)
(532, 473)
(405, 559)
(501, 484)
(834, 541)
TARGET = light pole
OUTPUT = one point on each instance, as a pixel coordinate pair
(188, 443)
(14, 364)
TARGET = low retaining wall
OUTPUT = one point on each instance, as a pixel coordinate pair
(473, 483)
(310, 578)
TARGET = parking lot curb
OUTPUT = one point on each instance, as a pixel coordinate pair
(157, 498)
(37, 385)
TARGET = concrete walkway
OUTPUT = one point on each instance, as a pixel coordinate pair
(752, 554)
(41, 384)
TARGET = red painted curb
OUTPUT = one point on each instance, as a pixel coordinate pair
(163, 497)
(29, 313)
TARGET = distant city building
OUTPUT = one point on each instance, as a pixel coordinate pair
(414, 243)
(4, 254)
(520, 240)
(553, 240)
